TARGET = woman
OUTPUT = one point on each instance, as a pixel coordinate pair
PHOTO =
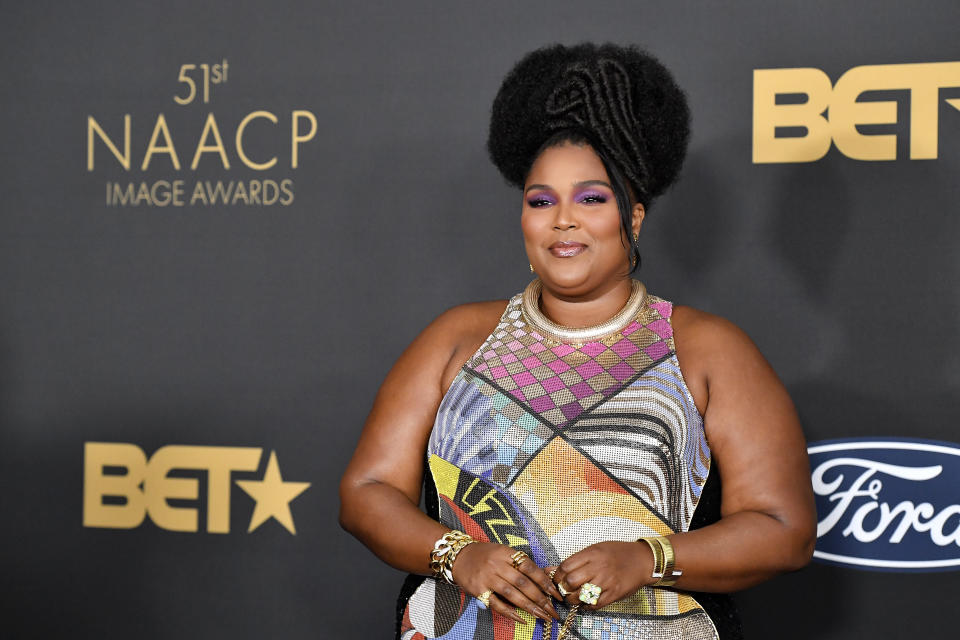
(599, 460)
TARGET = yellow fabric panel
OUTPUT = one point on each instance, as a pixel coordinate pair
(445, 476)
(557, 481)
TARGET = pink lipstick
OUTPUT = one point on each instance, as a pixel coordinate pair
(567, 249)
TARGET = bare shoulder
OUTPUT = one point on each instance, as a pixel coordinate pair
(701, 330)
(712, 350)
(465, 328)
(467, 319)
(460, 323)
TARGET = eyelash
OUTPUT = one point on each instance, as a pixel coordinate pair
(592, 198)
(539, 202)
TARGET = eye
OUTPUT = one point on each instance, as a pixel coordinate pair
(592, 197)
(539, 201)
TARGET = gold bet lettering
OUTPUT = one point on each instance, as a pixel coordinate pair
(832, 113)
(145, 486)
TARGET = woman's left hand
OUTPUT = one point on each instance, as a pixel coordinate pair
(618, 568)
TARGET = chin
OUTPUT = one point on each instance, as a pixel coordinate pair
(567, 281)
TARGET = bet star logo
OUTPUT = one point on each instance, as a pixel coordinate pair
(273, 496)
(121, 487)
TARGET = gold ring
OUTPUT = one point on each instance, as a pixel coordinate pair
(589, 593)
(484, 598)
(518, 559)
(563, 591)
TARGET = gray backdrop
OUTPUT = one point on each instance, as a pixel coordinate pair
(271, 326)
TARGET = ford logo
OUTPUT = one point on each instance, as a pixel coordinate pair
(887, 504)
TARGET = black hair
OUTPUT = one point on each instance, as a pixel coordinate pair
(620, 100)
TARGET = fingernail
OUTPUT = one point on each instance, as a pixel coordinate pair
(541, 613)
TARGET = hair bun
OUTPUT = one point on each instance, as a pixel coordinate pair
(621, 98)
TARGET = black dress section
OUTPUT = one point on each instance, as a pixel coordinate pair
(431, 505)
(719, 606)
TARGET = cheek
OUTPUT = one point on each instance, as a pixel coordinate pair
(607, 226)
(531, 225)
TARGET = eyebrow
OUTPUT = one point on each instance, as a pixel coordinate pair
(585, 183)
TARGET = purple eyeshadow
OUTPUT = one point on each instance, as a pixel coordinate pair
(540, 199)
(592, 193)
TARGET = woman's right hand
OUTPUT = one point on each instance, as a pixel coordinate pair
(487, 566)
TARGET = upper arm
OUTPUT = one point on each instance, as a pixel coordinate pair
(751, 424)
(393, 443)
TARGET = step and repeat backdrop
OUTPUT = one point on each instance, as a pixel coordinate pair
(222, 222)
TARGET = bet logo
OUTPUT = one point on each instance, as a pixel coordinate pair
(828, 113)
(121, 487)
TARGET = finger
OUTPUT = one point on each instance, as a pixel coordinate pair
(515, 595)
(572, 581)
(498, 605)
(558, 580)
(576, 579)
(571, 564)
(531, 588)
(562, 579)
(577, 560)
(540, 578)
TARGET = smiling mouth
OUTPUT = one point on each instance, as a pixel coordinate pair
(567, 249)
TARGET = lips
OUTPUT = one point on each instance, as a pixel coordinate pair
(567, 249)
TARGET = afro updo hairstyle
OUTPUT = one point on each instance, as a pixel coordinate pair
(620, 100)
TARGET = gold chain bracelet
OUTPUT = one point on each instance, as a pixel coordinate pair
(445, 552)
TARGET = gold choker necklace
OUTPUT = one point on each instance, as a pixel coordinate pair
(606, 332)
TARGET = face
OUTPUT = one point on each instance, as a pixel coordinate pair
(571, 223)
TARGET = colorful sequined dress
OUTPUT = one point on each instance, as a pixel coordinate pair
(549, 447)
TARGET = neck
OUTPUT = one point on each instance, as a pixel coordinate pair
(579, 311)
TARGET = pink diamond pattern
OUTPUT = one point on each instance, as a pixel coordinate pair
(664, 308)
(541, 404)
(657, 350)
(662, 328)
(589, 368)
(558, 382)
(553, 384)
(558, 366)
(622, 371)
(532, 362)
(524, 378)
(593, 349)
(624, 348)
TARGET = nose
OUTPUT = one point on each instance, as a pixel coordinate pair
(564, 217)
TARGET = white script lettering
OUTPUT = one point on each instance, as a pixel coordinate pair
(920, 517)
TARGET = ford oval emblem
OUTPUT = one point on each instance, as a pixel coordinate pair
(887, 504)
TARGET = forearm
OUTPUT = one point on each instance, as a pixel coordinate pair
(385, 520)
(740, 551)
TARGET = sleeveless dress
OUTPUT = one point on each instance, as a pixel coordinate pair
(549, 447)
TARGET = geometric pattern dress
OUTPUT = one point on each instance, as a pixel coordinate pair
(549, 447)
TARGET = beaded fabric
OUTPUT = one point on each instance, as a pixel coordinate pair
(549, 448)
